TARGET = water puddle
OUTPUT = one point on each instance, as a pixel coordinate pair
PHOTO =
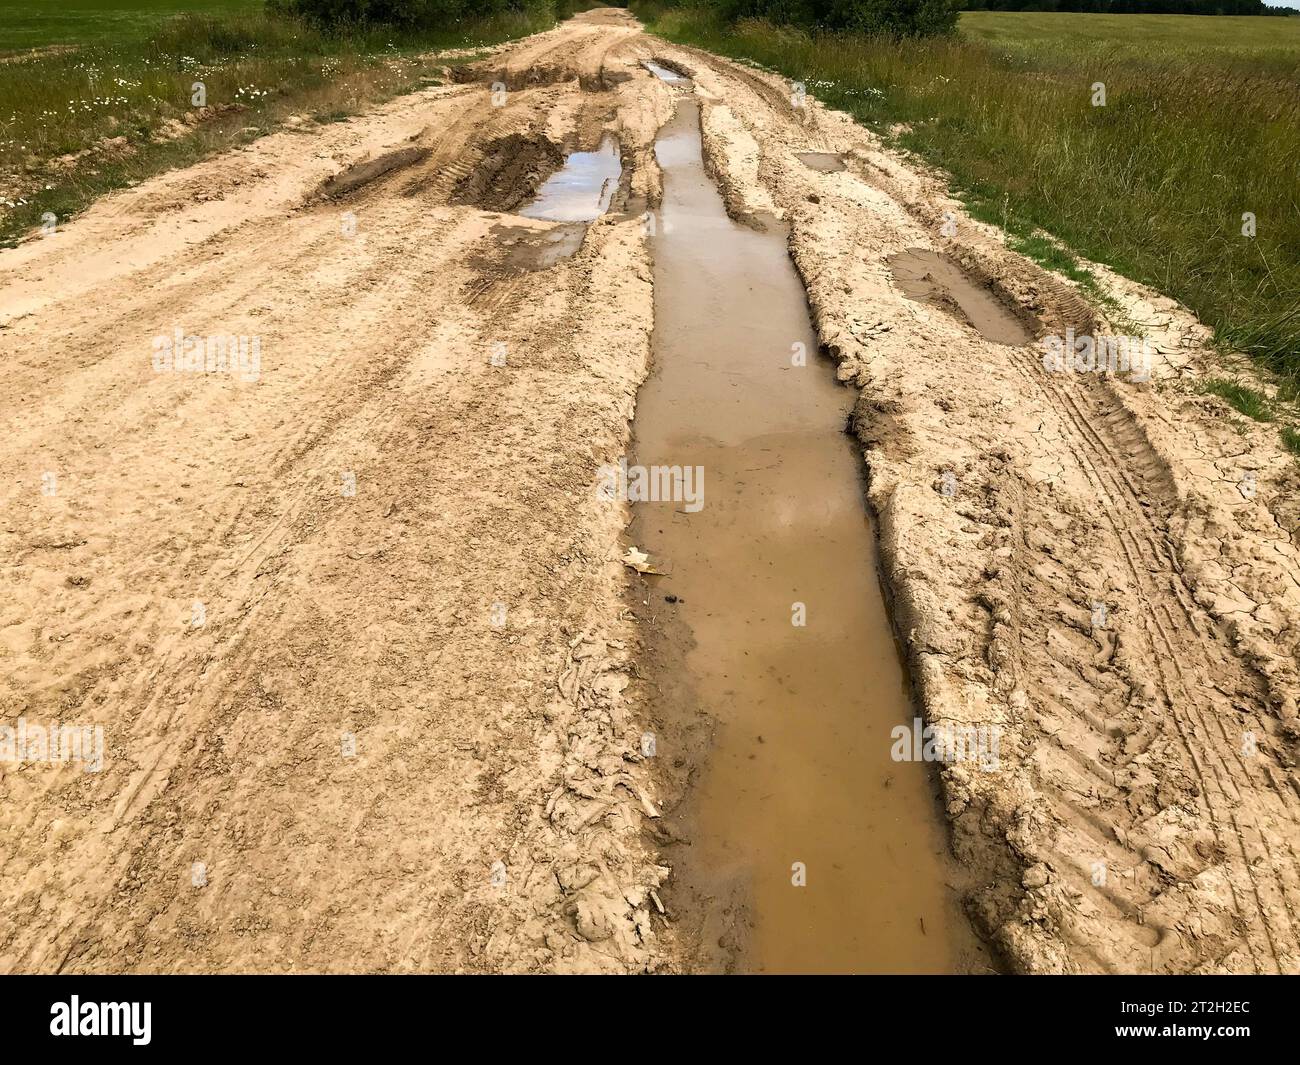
(575, 195)
(929, 277)
(539, 249)
(824, 162)
(580, 191)
(799, 773)
(664, 74)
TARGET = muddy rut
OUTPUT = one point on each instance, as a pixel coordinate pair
(302, 447)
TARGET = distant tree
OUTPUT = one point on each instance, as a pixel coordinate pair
(897, 18)
(392, 12)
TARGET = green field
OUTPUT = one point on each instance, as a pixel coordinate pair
(26, 24)
(1154, 38)
(1201, 124)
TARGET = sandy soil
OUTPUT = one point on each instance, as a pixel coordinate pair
(353, 620)
(458, 616)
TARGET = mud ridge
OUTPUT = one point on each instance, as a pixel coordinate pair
(358, 175)
(509, 172)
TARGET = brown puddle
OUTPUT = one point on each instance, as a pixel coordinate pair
(539, 249)
(929, 277)
(575, 195)
(799, 769)
(825, 162)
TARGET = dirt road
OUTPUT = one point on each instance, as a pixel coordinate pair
(352, 619)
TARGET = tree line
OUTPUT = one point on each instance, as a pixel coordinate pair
(895, 18)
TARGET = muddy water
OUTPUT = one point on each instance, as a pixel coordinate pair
(576, 194)
(933, 278)
(580, 190)
(824, 162)
(531, 249)
(664, 74)
(799, 770)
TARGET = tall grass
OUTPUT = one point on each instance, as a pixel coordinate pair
(1153, 184)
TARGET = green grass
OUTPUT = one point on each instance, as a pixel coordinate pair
(1156, 39)
(1248, 401)
(1033, 242)
(1291, 440)
(26, 24)
(75, 124)
(1201, 124)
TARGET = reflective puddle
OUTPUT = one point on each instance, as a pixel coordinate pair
(664, 74)
(580, 190)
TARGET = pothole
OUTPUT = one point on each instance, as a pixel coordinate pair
(570, 192)
(765, 617)
(933, 278)
(581, 190)
(663, 73)
(538, 249)
(509, 173)
(823, 162)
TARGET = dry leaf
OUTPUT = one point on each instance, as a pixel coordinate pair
(639, 561)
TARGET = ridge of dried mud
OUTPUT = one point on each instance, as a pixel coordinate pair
(518, 743)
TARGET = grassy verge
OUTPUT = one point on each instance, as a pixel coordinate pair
(1201, 125)
(90, 112)
(1244, 399)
